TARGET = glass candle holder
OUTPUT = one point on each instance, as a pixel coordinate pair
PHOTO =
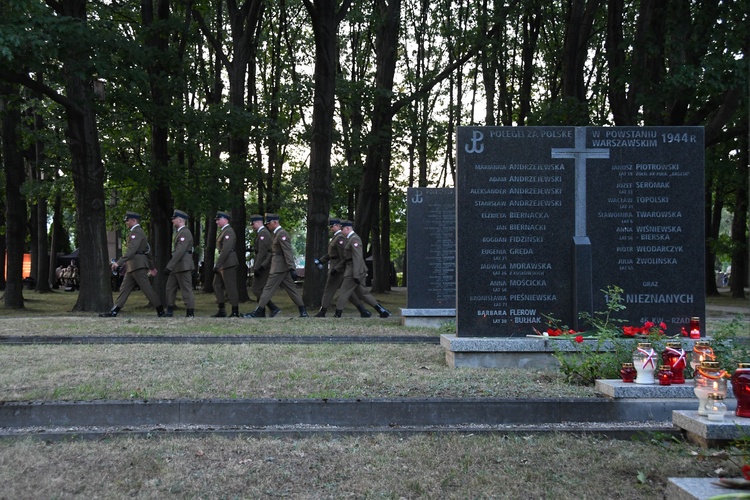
(715, 407)
(702, 351)
(695, 327)
(644, 360)
(628, 372)
(709, 378)
(674, 356)
(741, 389)
(665, 375)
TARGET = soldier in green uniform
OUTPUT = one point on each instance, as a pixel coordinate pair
(180, 267)
(262, 262)
(139, 264)
(336, 270)
(356, 273)
(283, 270)
(225, 272)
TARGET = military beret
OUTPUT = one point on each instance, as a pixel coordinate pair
(180, 214)
(225, 215)
(256, 217)
(132, 215)
(333, 221)
(270, 217)
(346, 223)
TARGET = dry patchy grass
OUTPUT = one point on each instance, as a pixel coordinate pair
(377, 466)
(157, 371)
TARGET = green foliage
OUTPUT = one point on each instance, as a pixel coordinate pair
(600, 358)
(728, 348)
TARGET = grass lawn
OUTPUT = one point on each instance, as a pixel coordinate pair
(555, 466)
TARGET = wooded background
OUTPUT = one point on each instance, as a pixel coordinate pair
(316, 107)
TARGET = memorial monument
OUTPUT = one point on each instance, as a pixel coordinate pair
(430, 257)
(547, 217)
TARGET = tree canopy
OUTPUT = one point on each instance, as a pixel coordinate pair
(316, 107)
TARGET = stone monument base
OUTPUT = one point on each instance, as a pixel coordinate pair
(512, 352)
(499, 352)
(698, 488)
(427, 318)
(707, 434)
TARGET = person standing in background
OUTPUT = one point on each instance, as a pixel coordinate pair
(262, 262)
(336, 270)
(283, 270)
(179, 269)
(356, 273)
(225, 277)
(139, 264)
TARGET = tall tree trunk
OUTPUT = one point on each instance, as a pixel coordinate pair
(3, 241)
(575, 49)
(15, 202)
(616, 85)
(381, 137)
(87, 169)
(712, 219)
(160, 197)
(325, 20)
(42, 246)
(740, 269)
(54, 239)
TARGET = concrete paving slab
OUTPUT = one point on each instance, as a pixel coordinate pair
(615, 388)
(711, 434)
(352, 413)
(695, 488)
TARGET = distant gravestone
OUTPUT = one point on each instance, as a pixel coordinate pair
(550, 216)
(431, 248)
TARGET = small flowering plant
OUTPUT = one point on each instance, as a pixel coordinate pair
(613, 345)
(648, 328)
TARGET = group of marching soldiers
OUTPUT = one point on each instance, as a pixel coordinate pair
(274, 267)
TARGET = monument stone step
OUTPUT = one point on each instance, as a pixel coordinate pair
(615, 388)
(711, 434)
(698, 488)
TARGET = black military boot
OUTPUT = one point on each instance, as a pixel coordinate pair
(190, 313)
(110, 314)
(260, 312)
(363, 313)
(273, 309)
(302, 312)
(337, 314)
(221, 313)
(160, 312)
(384, 313)
(235, 312)
(170, 311)
(321, 313)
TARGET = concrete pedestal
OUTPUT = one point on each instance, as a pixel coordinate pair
(427, 318)
(711, 434)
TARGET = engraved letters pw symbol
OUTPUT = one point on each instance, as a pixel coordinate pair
(580, 153)
(417, 198)
(476, 142)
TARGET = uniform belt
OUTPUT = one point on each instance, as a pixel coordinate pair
(333, 258)
(141, 253)
(348, 260)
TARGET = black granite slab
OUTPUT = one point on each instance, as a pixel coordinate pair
(550, 216)
(431, 248)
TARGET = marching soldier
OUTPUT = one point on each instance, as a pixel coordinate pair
(356, 273)
(179, 270)
(225, 277)
(262, 262)
(283, 270)
(336, 270)
(139, 264)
